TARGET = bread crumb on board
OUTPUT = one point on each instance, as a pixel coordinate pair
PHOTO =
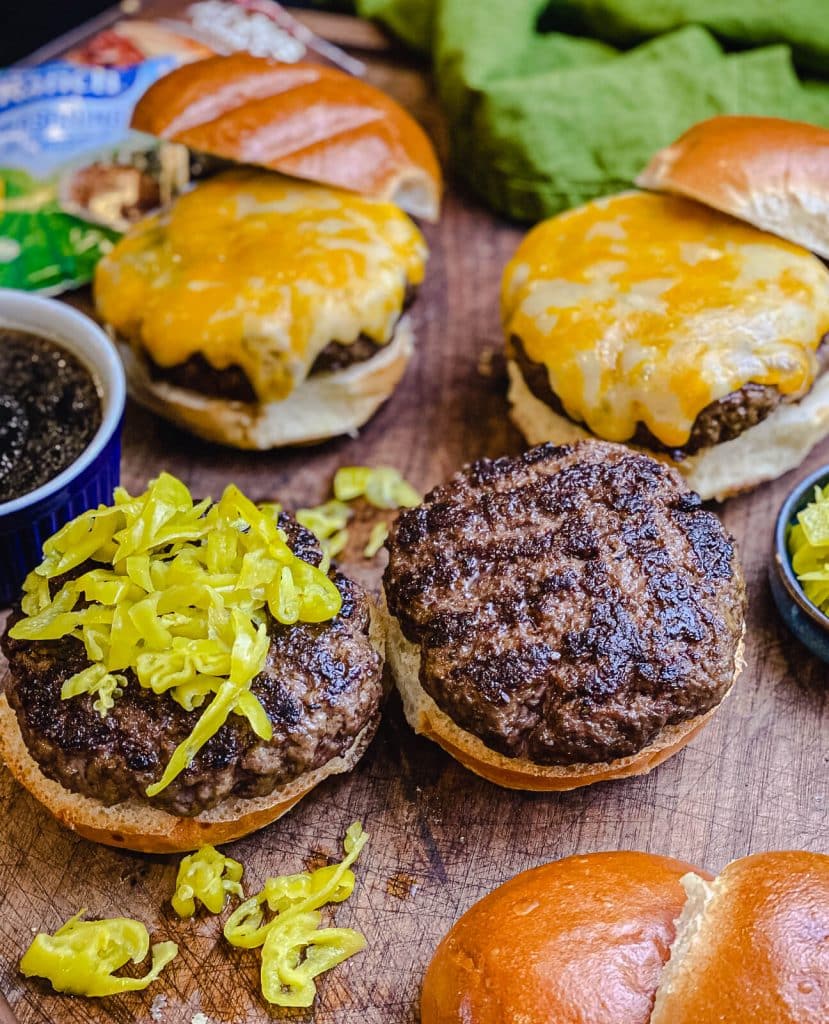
(157, 1007)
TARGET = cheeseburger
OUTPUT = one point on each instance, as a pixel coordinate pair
(655, 321)
(563, 617)
(267, 306)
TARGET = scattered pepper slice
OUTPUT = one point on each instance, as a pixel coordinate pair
(382, 487)
(295, 950)
(209, 877)
(82, 956)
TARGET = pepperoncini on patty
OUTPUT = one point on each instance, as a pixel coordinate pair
(177, 592)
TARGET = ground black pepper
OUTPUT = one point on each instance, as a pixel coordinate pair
(50, 409)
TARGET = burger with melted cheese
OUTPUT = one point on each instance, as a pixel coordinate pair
(267, 306)
(658, 322)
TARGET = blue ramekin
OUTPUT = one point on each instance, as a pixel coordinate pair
(805, 620)
(26, 522)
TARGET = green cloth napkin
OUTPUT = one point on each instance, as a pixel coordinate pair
(545, 111)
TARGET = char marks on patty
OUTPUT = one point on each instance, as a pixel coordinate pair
(569, 603)
(321, 686)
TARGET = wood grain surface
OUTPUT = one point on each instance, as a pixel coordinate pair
(755, 779)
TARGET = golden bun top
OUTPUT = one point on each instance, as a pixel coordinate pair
(579, 941)
(646, 308)
(305, 120)
(259, 271)
(768, 171)
(754, 946)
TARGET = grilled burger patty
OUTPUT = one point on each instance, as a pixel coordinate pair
(233, 384)
(720, 421)
(320, 687)
(569, 603)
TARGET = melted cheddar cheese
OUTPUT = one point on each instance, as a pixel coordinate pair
(262, 272)
(646, 308)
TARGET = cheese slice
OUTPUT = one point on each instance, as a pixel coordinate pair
(646, 308)
(259, 271)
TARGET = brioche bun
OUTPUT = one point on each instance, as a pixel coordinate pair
(304, 120)
(763, 452)
(427, 719)
(768, 171)
(579, 941)
(752, 946)
(323, 405)
(134, 825)
(599, 939)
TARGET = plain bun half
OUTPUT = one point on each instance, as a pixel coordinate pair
(752, 946)
(578, 941)
(767, 171)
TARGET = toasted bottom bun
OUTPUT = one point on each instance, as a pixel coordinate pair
(427, 719)
(578, 941)
(752, 946)
(764, 452)
(324, 405)
(133, 825)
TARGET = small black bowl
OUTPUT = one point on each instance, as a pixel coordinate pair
(805, 620)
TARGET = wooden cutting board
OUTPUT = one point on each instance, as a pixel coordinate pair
(755, 779)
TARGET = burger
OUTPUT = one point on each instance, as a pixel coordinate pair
(658, 322)
(563, 617)
(267, 306)
(182, 673)
(635, 938)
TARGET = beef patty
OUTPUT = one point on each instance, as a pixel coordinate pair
(320, 688)
(233, 385)
(720, 421)
(569, 603)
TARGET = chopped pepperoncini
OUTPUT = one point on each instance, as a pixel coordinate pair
(209, 877)
(808, 543)
(82, 956)
(295, 950)
(382, 487)
(179, 595)
(376, 539)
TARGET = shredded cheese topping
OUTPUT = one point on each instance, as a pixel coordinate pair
(647, 308)
(180, 594)
(262, 272)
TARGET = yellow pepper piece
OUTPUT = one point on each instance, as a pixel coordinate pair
(325, 520)
(82, 956)
(209, 877)
(376, 539)
(382, 487)
(178, 594)
(294, 948)
(808, 545)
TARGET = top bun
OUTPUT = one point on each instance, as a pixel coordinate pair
(768, 171)
(752, 946)
(304, 120)
(579, 941)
